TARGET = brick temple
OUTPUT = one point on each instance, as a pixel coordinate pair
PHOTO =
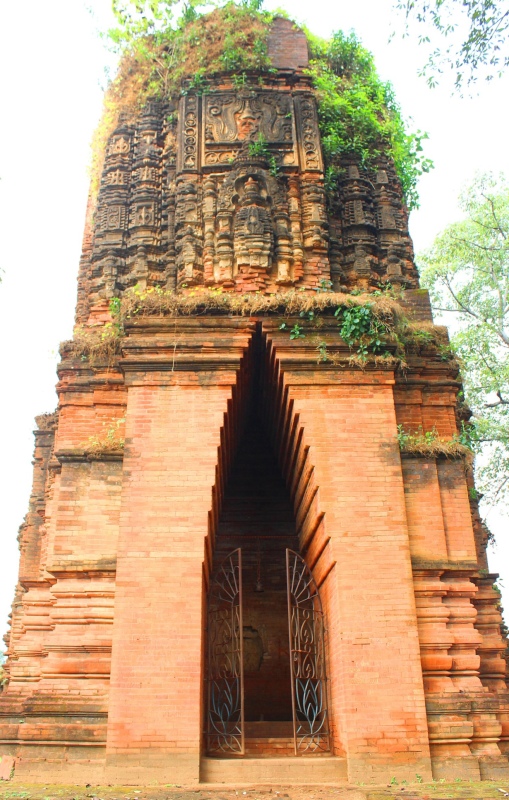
(229, 571)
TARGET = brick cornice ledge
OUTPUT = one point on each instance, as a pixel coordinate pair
(185, 344)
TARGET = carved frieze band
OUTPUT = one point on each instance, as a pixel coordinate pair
(309, 136)
(189, 130)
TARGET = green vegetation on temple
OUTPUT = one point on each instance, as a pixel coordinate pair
(374, 325)
(164, 56)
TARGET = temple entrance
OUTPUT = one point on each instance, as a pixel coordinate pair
(265, 659)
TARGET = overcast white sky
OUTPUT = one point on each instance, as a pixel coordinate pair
(51, 65)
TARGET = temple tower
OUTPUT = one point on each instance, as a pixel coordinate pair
(230, 570)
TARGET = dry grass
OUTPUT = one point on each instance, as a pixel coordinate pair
(158, 302)
(373, 360)
(419, 335)
(94, 345)
(102, 345)
(429, 444)
(97, 446)
(448, 448)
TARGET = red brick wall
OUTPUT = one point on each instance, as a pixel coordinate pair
(349, 421)
(172, 439)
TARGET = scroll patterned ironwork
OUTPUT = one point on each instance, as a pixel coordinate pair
(225, 714)
(307, 658)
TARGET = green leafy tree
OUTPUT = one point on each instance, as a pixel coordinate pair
(474, 34)
(358, 113)
(146, 30)
(467, 271)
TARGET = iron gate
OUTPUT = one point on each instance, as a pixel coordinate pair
(307, 658)
(225, 674)
(225, 718)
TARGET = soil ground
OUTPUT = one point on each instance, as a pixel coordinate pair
(458, 790)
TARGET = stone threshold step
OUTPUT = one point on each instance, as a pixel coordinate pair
(292, 769)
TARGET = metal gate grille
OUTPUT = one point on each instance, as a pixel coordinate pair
(225, 717)
(307, 658)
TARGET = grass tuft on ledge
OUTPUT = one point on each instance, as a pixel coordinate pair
(94, 344)
(374, 325)
(156, 301)
(429, 444)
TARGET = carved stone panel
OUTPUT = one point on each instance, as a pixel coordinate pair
(118, 146)
(309, 137)
(229, 119)
(113, 218)
(189, 131)
(253, 239)
(143, 215)
(234, 117)
(117, 177)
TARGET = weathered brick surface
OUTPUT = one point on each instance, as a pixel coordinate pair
(424, 509)
(287, 46)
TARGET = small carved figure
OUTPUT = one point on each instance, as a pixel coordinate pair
(253, 236)
(362, 262)
(253, 221)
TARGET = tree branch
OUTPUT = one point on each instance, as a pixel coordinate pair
(500, 401)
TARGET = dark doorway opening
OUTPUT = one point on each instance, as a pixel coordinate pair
(257, 517)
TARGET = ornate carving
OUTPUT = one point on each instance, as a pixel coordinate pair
(146, 174)
(314, 216)
(294, 212)
(144, 215)
(253, 240)
(219, 157)
(140, 271)
(189, 137)
(187, 203)
(236, 117)
(117, 177)
(209, 218)
(309, 137)
(110, 267)
(113, 218)
(188, 236)
(118, 145)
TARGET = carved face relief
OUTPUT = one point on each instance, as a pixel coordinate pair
(247, 121)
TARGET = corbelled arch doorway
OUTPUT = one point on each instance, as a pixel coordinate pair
(266, 686)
